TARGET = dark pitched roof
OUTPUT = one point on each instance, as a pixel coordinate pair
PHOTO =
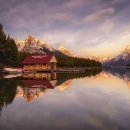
(37, 59)
(37, 83)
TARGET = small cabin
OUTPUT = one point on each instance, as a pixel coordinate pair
(44, 62)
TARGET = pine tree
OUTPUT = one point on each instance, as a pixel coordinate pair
(2, 44)
(8, 49)
(12, 52)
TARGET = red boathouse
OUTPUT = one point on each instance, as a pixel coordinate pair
(44, 62)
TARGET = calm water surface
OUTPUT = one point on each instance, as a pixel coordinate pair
(93, 102)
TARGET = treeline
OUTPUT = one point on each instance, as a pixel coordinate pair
(76, 62)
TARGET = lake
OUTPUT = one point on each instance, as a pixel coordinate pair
(90, 101)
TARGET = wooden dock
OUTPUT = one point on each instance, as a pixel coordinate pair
(76, 70)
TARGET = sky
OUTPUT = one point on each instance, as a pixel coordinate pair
(85, 27)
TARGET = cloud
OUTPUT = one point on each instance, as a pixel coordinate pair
(57, 17)
(77, 24)
(107, 26)
(99, 15)
(75, 4)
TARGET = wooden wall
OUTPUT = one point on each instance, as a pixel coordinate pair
(39, 67)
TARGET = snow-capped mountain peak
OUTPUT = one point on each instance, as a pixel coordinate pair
(62, 48)
(127, 49)
(31, 38)
(20, 44)
(65, 51)
(34, 46)
(123, 59)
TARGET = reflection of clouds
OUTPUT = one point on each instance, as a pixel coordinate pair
(89, 103)
(81, 107)
(101, 124)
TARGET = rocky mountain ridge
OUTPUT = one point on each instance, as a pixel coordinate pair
(123, 59)
(32, 45)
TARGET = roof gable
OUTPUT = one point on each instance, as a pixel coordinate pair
(53, 59)
(38, 59)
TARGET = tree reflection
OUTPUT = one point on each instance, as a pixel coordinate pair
(88, 73)
(7, 91)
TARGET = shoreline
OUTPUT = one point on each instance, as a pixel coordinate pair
(59, 69)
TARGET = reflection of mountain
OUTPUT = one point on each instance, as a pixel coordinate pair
(120, 73)
(30, 94)
(32, 89)
(64, 85)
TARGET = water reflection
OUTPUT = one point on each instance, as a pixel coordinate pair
(97, 101)
(123, 74)
(32, 86)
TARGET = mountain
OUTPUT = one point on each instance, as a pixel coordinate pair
(123, 59)
(30, 93)
(20, 44)
(64, 85)
(65, 51)
(32, 45)
(100, 59)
